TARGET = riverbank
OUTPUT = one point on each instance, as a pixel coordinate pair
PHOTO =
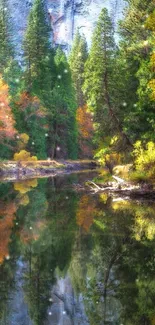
(15, 170)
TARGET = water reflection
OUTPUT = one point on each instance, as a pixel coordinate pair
(68, 257)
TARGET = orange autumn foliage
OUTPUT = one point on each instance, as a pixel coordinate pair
(7, 214)
(7, 121)
(85, 212)
(26, 100)
(85, 123)
(85, 127)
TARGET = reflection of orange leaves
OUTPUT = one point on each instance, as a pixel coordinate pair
(26, 236)
(86, 212)
(7, 214)
(7, 122)
(24, 200)
(153, 321)
(26, 186)
(29, 235)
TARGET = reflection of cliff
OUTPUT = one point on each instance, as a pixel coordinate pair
(67, 308)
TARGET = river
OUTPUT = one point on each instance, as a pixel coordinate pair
(74, 257)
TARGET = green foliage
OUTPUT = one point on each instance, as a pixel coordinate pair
(98, 72)
(63, 132)
(136, 46)
(77, 59)
(36, 49)
(6, 51)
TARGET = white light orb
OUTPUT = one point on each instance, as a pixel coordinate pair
(145, 43)
(7, 257)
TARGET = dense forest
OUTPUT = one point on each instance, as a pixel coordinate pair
(96, 102)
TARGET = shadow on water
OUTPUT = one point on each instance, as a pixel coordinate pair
(74, 258)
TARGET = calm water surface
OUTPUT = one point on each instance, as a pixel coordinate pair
(68, 257)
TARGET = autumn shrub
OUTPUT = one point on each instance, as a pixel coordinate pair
(144, 160)
(107, 158)
(24, 155)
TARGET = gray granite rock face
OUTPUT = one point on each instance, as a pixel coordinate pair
(65, 17)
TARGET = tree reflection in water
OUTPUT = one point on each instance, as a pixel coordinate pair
(82, 258)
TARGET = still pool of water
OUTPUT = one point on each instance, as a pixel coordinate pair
(70, 257)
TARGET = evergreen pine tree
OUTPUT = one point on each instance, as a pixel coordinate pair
(137, 45)
(6, 50)
(38, 76)
(101, 86)
(36, 49)
(63, 133)
(99, 73)
(77, 59)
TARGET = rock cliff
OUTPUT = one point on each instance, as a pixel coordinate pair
(65, 17)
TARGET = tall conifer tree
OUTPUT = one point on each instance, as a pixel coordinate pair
(99, 71)
(77, 59)
(36, 48)
(6, 50)
(137, 44)
(63, 136)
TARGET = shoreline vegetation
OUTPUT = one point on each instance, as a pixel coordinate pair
(15, 170)
(124, 187)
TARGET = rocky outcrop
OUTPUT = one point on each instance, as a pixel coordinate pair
(65, 17)
(68, 15)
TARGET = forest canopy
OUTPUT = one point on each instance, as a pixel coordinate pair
(97, 102)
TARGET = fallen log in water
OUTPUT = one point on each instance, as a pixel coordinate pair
(123, 188)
